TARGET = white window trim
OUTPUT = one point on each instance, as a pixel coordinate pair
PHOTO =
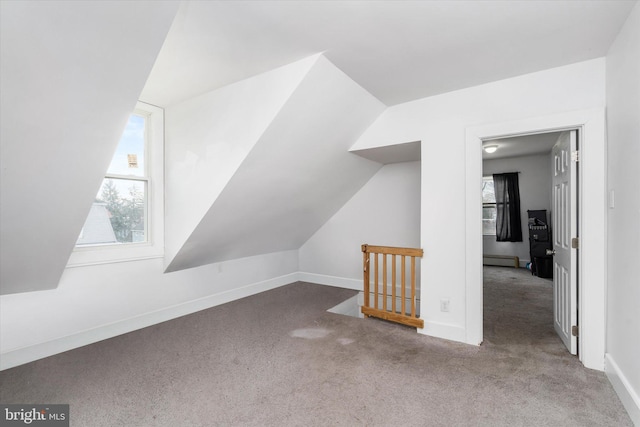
(154, 246)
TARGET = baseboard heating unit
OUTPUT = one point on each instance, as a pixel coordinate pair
(501, 260)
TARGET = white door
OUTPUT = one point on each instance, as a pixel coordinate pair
(565, 290)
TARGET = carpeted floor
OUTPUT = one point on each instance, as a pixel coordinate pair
(279, 359)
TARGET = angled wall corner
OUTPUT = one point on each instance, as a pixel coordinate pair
(71, 74)
(296, 176)
(208, 137)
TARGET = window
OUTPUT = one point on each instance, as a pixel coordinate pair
(119, 212)
(126, 218)
(489, 211)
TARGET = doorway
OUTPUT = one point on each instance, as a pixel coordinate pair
(591, 229)
(546, 214)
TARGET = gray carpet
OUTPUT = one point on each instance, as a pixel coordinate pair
(279, 359)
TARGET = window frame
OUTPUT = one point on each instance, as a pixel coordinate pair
(153, 247)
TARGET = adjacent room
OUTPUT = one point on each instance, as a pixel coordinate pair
(187, 187)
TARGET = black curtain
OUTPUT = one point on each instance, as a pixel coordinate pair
(508, 225)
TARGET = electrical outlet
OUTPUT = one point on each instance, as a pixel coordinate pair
(444, 304)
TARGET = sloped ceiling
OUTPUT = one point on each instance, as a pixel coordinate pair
(397, 50)
(71, 73)
(297, 175)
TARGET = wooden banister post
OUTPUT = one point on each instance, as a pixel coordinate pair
(404, 285)
(393, 283)
(384, 282)
(413, 286)
(375, 279)
(365, 268)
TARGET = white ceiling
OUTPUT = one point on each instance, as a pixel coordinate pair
(526, 145)
(397, 50)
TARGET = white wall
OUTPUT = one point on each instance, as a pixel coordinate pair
(93, 303)
(535, 193)
(441, 123)
(623, 158)
(386, 211)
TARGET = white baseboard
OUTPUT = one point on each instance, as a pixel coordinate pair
(33, 352)
(445, 331)
(323, 279)
(628, 396)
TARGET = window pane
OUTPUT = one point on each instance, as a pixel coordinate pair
(129, 157)
(489, 212)
(488, 194)
(117, 215)
(489, 207)
(489, 220)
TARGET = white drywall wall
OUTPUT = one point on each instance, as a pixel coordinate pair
(71, 74)
(295, 177)
(208, 137)
(93, 303)
(623, 158)
(535, 193)
(386, 211)
(441, 123)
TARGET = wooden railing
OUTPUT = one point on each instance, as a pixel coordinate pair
(390, 311)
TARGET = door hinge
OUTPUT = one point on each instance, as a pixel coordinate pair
(575, 243)
(575, 156)
(574, 330)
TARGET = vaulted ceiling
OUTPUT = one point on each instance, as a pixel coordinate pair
(397, 50)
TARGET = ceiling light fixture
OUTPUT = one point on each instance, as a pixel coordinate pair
(490, 148)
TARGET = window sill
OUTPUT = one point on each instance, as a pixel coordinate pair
(115, 261)
(111, 254)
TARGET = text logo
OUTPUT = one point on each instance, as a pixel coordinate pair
(34, 415)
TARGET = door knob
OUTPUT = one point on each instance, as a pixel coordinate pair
(551, 252)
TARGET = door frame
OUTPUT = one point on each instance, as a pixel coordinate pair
(592, 208)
